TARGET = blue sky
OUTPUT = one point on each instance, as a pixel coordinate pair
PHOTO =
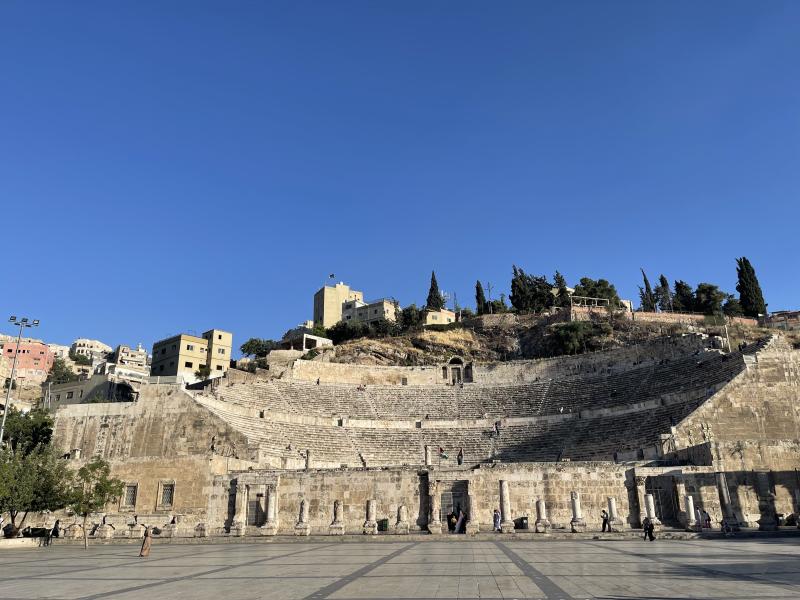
(177, 166)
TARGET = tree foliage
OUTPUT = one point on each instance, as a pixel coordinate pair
(25, 431)
(93, 489)
(732, 307)
(646, 296)
(203, 372)
(750, 295)
(411, 317)
(683, 299)
(562, 293)
(435, 299)
(663, 294)
(530, 293)
(577, 337)
(36, 481)
(708, 299)
(80, 359)
(61, 372)
(481, 306)
(597, 289)
(258, 347)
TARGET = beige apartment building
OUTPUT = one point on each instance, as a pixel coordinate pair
(183, 354)
(341, 303)
(439, 317)
(127, 357)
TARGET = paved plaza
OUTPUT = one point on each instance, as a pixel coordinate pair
(506, 568)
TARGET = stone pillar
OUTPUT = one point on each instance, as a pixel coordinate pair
(302, 526)
(428, 456)
(613, 516)
(542, 523)
(768, 521)
(371, 524)
(402, 526)
(640, 492)
(680, 492)
(577, 523)
(691, 521)
(270, 527)
(308, 459)
(337, 526)
(725, 501)
(506, 524)
(240, 517)
(434, 522)
(650, 509)
(472, 525)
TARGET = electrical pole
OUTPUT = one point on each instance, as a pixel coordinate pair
(22, 324)
(489, 287)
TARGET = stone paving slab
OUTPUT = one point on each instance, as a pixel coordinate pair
(507, 568)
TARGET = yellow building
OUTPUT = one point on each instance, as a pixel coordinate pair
(328, 303)
(354, 311)
(184, 354)
(439, 317)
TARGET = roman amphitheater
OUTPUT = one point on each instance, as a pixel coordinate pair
(661, 428)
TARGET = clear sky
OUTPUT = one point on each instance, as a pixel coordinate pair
(175, 166)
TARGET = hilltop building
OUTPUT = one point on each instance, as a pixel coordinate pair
(341, 303)
(90, 348)
(439, 317)
(182, 355)
(128, 358)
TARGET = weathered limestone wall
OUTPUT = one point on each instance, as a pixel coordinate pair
(762, 403)
(165, 422)
(310, 370)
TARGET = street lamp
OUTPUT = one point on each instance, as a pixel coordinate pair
(22, 324)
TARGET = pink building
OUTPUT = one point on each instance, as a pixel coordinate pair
(33, 362)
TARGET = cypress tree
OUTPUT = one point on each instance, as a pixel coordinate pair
(663, 294)
(562, 295)
(435, 300)
(480, 298)
(648, 299)
(750, 296)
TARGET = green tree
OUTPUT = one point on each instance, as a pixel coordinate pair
(577, 337)
(25, 431)
(80, 359)
(663, 294)
(683, 299)
(750, 295)
(481, 306)
(435, 299)
(530, 293)
(203, 372)
(562, 293)
(411, 317)
(708, 299)
(732, 307)
(258, 347)
(36, 481)
(646, 295)
(93, 489)
(601, 288)
(60, 372)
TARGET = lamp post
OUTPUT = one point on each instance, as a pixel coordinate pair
(22, 324)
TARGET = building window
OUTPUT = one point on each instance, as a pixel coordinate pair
(58, 397)
(219, 337)
(220, 350)
(130, 495)
(188, 365)
(190, 347)
(167, 494)
(219, 367)
(69, 395)
(163, 351)
(348, 317)
(173, 346)
(160, 368)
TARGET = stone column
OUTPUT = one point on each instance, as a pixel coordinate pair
(577, 523)
(640, 492)
(402, 526)
(371, 524)
(434, 523)
(613, 515)
(680, 492)
(689, 509)
(337, 526)
(542, 523)
(271, 525)
(240, 517)
(302, 526)
(308, 459)
(725, 501)
(506, 524)
(472, 525)
(428, 456)
(650, 509)
(768, 521)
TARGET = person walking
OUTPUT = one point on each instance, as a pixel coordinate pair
(648, 528)
(146, 542)
(606, 524)
(496, 520)
(54, 532)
